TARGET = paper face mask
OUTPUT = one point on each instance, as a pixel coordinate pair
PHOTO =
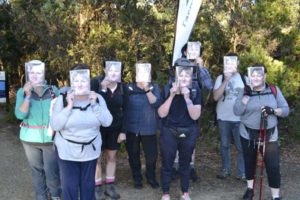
(184, 76)
(193, 50)
(143, 72)
(256, 77)
(230, 64)
(113, 71)
(80, 81)
(35, 72)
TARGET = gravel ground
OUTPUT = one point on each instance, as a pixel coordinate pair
(15, 181)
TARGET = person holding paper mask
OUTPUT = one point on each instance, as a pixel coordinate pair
(115, 95)
(141, 124)
(33, 107)
(77, 119)
(267, 101)
(180, 110)
(225, 93)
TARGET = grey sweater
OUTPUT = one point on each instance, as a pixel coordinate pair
(79, 126)
(251, 112)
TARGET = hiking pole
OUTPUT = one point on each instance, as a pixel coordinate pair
(257, 152)
(263, 154)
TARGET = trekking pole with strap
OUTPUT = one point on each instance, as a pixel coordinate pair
(264, 119)
(262, 126)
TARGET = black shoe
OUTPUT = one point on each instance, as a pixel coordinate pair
(99, 193)
(138, 184)
(248, 194)
(110, 191)
(193, 175)
(278, 198)
(153, 183)
(223, 174)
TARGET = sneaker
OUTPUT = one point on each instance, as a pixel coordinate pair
(193, 175)
(99, 193)
(241, 178)
(165, 197)
(110, 191)
(248, 194)
(185, 196)
(223, 174)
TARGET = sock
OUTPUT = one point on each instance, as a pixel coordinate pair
(110, 179)
(98, 182)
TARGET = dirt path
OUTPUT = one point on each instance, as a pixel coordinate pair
(15, 180)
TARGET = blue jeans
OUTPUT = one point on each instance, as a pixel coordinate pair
(228, 130)
(44, 169)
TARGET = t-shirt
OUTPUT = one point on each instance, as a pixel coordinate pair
(225, 103)
(178, 114)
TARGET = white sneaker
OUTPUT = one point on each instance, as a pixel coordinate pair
(165, 197)
(185, 196)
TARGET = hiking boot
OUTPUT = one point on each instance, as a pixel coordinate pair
(248, 194)
(223, 174)
(111, 191)
(138, 184)
(165, 197)
(185, 196)
(153, 183)
(99, 193)
(193, 175)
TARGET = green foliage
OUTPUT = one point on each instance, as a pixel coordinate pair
(63, 33)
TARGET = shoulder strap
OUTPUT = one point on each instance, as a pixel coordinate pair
(243, 79)
(52, 92)
(273, 90)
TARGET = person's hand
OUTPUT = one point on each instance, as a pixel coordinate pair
(104, 83)
(185, 92)
(199, 61)
(144, 85)
(245, 100)
(121, 138)
(93, 97)
(266, 110)
(227, 76)
(174, 89)
(27, 89)
(70, 99)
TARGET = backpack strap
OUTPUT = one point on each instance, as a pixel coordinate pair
(52, 92)
(273, 90)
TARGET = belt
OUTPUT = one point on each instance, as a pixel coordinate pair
(33, 127)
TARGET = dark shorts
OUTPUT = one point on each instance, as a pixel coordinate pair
(109, 139)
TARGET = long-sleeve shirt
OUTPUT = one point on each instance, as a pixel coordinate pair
(251, 112)
(205, 78)
(81, 126)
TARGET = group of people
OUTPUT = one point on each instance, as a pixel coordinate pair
(91, 119)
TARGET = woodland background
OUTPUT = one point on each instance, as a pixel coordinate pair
(64, 32)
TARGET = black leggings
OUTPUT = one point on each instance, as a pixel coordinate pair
(271, 161)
